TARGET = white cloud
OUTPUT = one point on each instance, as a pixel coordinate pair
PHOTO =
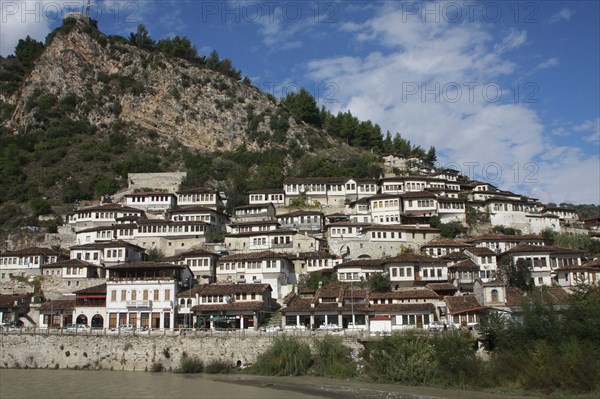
(563, 15)
(408, 87)
(588, 126)
(514, 40)
(550, 62)
(21, 18)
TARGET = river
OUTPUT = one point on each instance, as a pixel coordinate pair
(82, 384)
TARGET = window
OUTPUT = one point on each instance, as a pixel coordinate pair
(113, 295)
(156, 295)
(133, 295)
(494, 295)
(123, 295)
(167, 294)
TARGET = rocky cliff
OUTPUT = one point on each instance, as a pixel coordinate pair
(112, 81)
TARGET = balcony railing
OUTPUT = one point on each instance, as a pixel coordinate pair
(138, 304)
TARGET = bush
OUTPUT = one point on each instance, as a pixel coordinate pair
(287, 356)
(333, 359)
(403, 358)
(457, 365)
(218, 367)
(156, 367)
(189, 364)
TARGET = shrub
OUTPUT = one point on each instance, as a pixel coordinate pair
(156, 367)
(403, 358)
(287, 356)
(333, 359)
(189, 364)
(218, 367)
(457, 365)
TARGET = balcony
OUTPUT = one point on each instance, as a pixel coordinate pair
(138, 304)
(282, 245)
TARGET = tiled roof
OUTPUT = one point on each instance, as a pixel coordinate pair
(192, 208)
(61, 304)
(253, 256)
(441, 287)
(543, 249)
(404, 294)
(162, 222)
(224, 289)
(68, 263)
(267, 191)
(248, 306)
(508, 238)
(403, 308)
(401, 227)
(97, 289)
(313, 255)
(467, 264)
(197, 190)
(106, 244)
(145, 265)
(8, 300)
(481, 251)
(309, 180)
(347, 224)
(197, 252)
(593, 263)
(456, 255)
(254, 206)
(300, 213)
(462, 304)
(255, 223)
(31, 251)
(445, 242)
(413, 258)
(108, 207)
(418, 194)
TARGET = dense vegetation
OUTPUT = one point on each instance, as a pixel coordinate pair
(541, 350)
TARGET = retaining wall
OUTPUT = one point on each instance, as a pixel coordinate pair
(128, 352)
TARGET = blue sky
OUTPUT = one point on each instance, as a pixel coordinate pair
(507, 91)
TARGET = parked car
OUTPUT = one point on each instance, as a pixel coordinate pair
(330, 327)
(124, 328)
(272, 328)
(473, 326)
(77, 328)
(12, 325)
(295, 328)
(437, 326)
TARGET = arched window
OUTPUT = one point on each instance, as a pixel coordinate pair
(494, 295)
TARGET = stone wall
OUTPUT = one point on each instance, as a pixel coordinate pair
(137, 353)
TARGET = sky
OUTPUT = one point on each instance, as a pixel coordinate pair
(507, 91)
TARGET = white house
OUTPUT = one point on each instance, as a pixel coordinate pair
(201, 196)
(266, 267)
(144, 294)
(26, 261)
(153, 201)
(266, 196)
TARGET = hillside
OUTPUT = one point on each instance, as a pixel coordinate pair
(84, 109)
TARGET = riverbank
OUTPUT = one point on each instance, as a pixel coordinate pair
(354, 389)
(34, 384)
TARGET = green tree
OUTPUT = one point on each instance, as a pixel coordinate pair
(155, 255)
(40, 206)
(28, 50)
(303, 107)
(141, 38)
(431, 155)
(178, 47)
(379, 282)
(516, 274)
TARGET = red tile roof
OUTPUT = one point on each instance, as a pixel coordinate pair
(462, 304)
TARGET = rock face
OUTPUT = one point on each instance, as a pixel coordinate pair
(114, 81)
